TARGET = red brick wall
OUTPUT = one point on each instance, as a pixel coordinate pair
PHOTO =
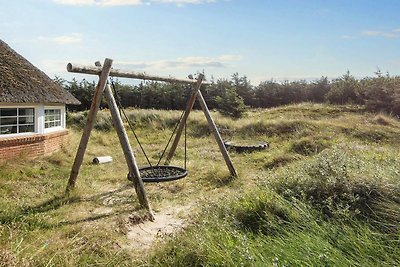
(33, 145)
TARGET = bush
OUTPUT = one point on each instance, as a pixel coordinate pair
(344, 90)
(229, 102)
(78, 120)
(382, 94)
(277, 127)
(307, 146)
(333, 184)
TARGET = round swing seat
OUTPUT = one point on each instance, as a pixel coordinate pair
(161, 173)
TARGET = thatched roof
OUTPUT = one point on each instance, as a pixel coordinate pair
(21, 82)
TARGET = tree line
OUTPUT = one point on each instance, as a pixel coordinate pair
(233, 96)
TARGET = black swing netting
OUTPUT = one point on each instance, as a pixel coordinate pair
(161, 173)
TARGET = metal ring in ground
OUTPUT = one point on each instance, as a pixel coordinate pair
(162, 173)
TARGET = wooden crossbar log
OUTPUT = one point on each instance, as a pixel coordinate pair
(129, 74)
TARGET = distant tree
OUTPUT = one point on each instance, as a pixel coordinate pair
(127, 95)
(294, 92)
(267, 94)
(318, 90)
(60, 81)
(229, 102)
(84, 92)
(345, 90)
(243, 88)
(382, 93)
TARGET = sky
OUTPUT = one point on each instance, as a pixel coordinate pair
(262, 39)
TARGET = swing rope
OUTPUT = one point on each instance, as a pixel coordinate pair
(170, 138)
(121, 109)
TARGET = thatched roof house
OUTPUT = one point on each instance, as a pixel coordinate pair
(21, 82)
(32, 107)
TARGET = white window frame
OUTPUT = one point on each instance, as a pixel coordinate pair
(39, 120)
(54, 117)
(62, 119)
(24, 133)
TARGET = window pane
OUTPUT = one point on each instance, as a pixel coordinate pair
(8, 121)
(8, 129)
(8, 112)
(49, 112)
(52, 118)
(26, 128)
(25, 120)
(26, 111)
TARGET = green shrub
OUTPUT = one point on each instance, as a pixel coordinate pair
(277, 127)
(78, 120)
(308, 146)
(280, 161)
(264, 213)
(333, 183)
(103, 122)
(344, 90)
(382, 119)
(230, 103)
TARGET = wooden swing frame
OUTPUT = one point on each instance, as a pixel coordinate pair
(102, 86)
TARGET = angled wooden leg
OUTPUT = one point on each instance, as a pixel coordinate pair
(94, 108)
(216, 134)
(126, 147)
(189, 107)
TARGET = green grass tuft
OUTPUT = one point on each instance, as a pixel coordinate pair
(307, 146)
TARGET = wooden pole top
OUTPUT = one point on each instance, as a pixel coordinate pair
(76, 68)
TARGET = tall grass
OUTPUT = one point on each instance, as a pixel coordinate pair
(325, 193)
(264, 229)
(323, 211)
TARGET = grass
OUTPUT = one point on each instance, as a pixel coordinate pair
(325, 193)
(264, 229)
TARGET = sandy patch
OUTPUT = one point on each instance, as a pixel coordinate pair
(169, 221)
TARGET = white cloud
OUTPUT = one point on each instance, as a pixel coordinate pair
(395, 33)
(184, 63)
(348, 37)
(230, 57)
(75, 2)
(74, 38)
(53, 67)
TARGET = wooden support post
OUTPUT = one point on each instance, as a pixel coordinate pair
(217, 136)
(126, 147)
(189, 107)
(94, 108)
